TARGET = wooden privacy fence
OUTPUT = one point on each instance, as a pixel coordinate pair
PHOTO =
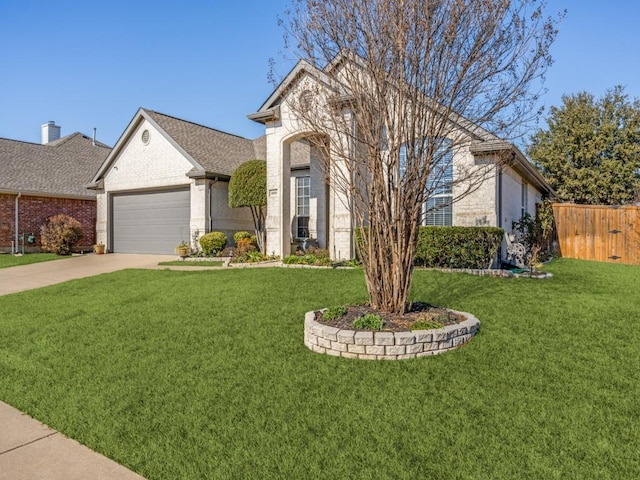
(602, 233)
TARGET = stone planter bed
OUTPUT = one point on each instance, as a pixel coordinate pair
(493, 272)
(367, 345)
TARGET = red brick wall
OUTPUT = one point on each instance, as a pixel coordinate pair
(34, 212)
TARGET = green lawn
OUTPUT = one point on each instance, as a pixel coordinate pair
(203, 374)
(7, 260)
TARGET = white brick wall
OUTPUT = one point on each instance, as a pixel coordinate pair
(478, 208)
(141, 166)
(224, 218)
(159, 164)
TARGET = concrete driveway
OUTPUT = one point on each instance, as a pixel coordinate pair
(36, 275)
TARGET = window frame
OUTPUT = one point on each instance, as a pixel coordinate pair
(303, 206)
(439, 188)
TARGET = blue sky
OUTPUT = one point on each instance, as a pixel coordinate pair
(92, 64)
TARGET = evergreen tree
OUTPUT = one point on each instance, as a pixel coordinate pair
(590, 150)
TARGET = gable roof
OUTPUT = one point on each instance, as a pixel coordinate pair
(270, 108)
(483, 142)
(59, 168)
(212, 152)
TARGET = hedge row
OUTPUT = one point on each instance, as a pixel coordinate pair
(456, 247)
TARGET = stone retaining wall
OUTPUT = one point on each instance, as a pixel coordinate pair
(387, 345)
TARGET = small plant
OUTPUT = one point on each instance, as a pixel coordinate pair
(318, 257)
(369, 321)
(241, 237)
(251, 256)
(426, 325)
(227, 252)
(195, 238)
(183, 249)
(354, 263)
(332, 313)
(536, 233)
(60, 233)
(213, 242)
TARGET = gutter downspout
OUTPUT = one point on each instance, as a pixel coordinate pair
(499, 196)
(209, 194)
(500, 213)
(16, 222)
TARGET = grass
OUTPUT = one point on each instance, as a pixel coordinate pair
(7, 260)
(203, 374)
(195, 263)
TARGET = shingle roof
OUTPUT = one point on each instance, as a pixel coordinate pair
(216, 151)
(62, 167)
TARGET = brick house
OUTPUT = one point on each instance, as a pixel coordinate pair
(38, 181)
(302, 202)
(167, 179)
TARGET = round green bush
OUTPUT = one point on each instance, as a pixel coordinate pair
(239, 236)
(248, 184)
(213, 242)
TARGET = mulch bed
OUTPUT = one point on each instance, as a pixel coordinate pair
(417, 311)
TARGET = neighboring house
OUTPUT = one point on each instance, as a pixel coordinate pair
(38, 181)
(301, 205)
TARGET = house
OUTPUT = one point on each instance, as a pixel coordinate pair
(38, 181)
(166, 181)
(302, 202)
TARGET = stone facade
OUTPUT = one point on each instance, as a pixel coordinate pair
(387, 345)
(33, 212)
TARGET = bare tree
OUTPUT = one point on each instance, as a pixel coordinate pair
(405, 84)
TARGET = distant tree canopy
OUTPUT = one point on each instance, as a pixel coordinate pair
(590, 150)
(248, 188)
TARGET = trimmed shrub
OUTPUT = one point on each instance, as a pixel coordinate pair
(453, 247)
(248, 185)
(457, 247)
(60, 233)
(213, 242)
(241, 237)
(244, 247)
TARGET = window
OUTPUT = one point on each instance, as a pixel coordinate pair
(303, 194)
(438, 210)
(525, 199)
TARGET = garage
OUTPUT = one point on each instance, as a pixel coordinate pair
(150, 222)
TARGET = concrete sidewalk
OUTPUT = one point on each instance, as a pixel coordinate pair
(36, 275)
(30, 450)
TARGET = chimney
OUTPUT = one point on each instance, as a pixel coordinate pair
(50, 132)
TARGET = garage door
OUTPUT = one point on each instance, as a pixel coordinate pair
(150, 222)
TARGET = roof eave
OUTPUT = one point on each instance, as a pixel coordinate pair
(36, 193)
(519, 161)
(206, 175)
(265, 116)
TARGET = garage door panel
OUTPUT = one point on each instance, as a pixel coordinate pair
(150, 222)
